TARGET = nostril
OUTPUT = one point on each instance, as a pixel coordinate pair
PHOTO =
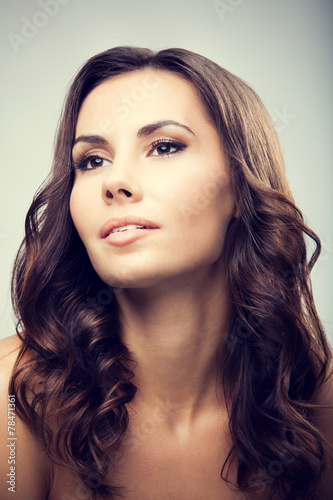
(121, 192)
(127, 193)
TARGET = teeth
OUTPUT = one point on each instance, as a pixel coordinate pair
(125, 228)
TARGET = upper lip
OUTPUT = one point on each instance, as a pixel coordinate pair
(124, 221)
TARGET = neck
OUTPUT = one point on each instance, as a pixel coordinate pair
(174, 332)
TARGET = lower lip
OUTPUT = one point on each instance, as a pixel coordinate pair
(120, 238)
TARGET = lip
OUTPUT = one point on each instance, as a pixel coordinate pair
(125, 237)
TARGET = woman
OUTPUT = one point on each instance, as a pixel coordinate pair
(169, 345)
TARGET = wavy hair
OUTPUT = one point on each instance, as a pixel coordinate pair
(72, 368)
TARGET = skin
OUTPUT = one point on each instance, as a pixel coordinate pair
(170, 290)
(167, 270)
(164, 272)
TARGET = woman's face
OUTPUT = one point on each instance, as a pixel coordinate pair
(152, 197)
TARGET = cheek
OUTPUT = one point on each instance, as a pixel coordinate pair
(204, 215)
(208, 200)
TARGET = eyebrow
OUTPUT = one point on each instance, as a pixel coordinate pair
(149, 129)
(92, 139)
(143, 132)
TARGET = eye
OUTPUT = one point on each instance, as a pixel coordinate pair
(166, 147)
(91, 162)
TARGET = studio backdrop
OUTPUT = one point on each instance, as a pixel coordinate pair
(282, 48)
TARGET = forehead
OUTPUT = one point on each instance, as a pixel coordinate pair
(147, 91)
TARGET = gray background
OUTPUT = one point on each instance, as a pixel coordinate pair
(282, 48)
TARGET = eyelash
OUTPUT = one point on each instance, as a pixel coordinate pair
(84, 159)
(180, 146)
(82, 162)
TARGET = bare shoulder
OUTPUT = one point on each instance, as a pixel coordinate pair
(24, 467)
(324, 420)
(9, 348)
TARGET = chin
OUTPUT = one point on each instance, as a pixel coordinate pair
(131, 279)
(154, 272)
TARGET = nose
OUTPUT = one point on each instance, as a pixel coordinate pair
(120, 184)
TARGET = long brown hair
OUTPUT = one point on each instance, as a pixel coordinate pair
(274, 355)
